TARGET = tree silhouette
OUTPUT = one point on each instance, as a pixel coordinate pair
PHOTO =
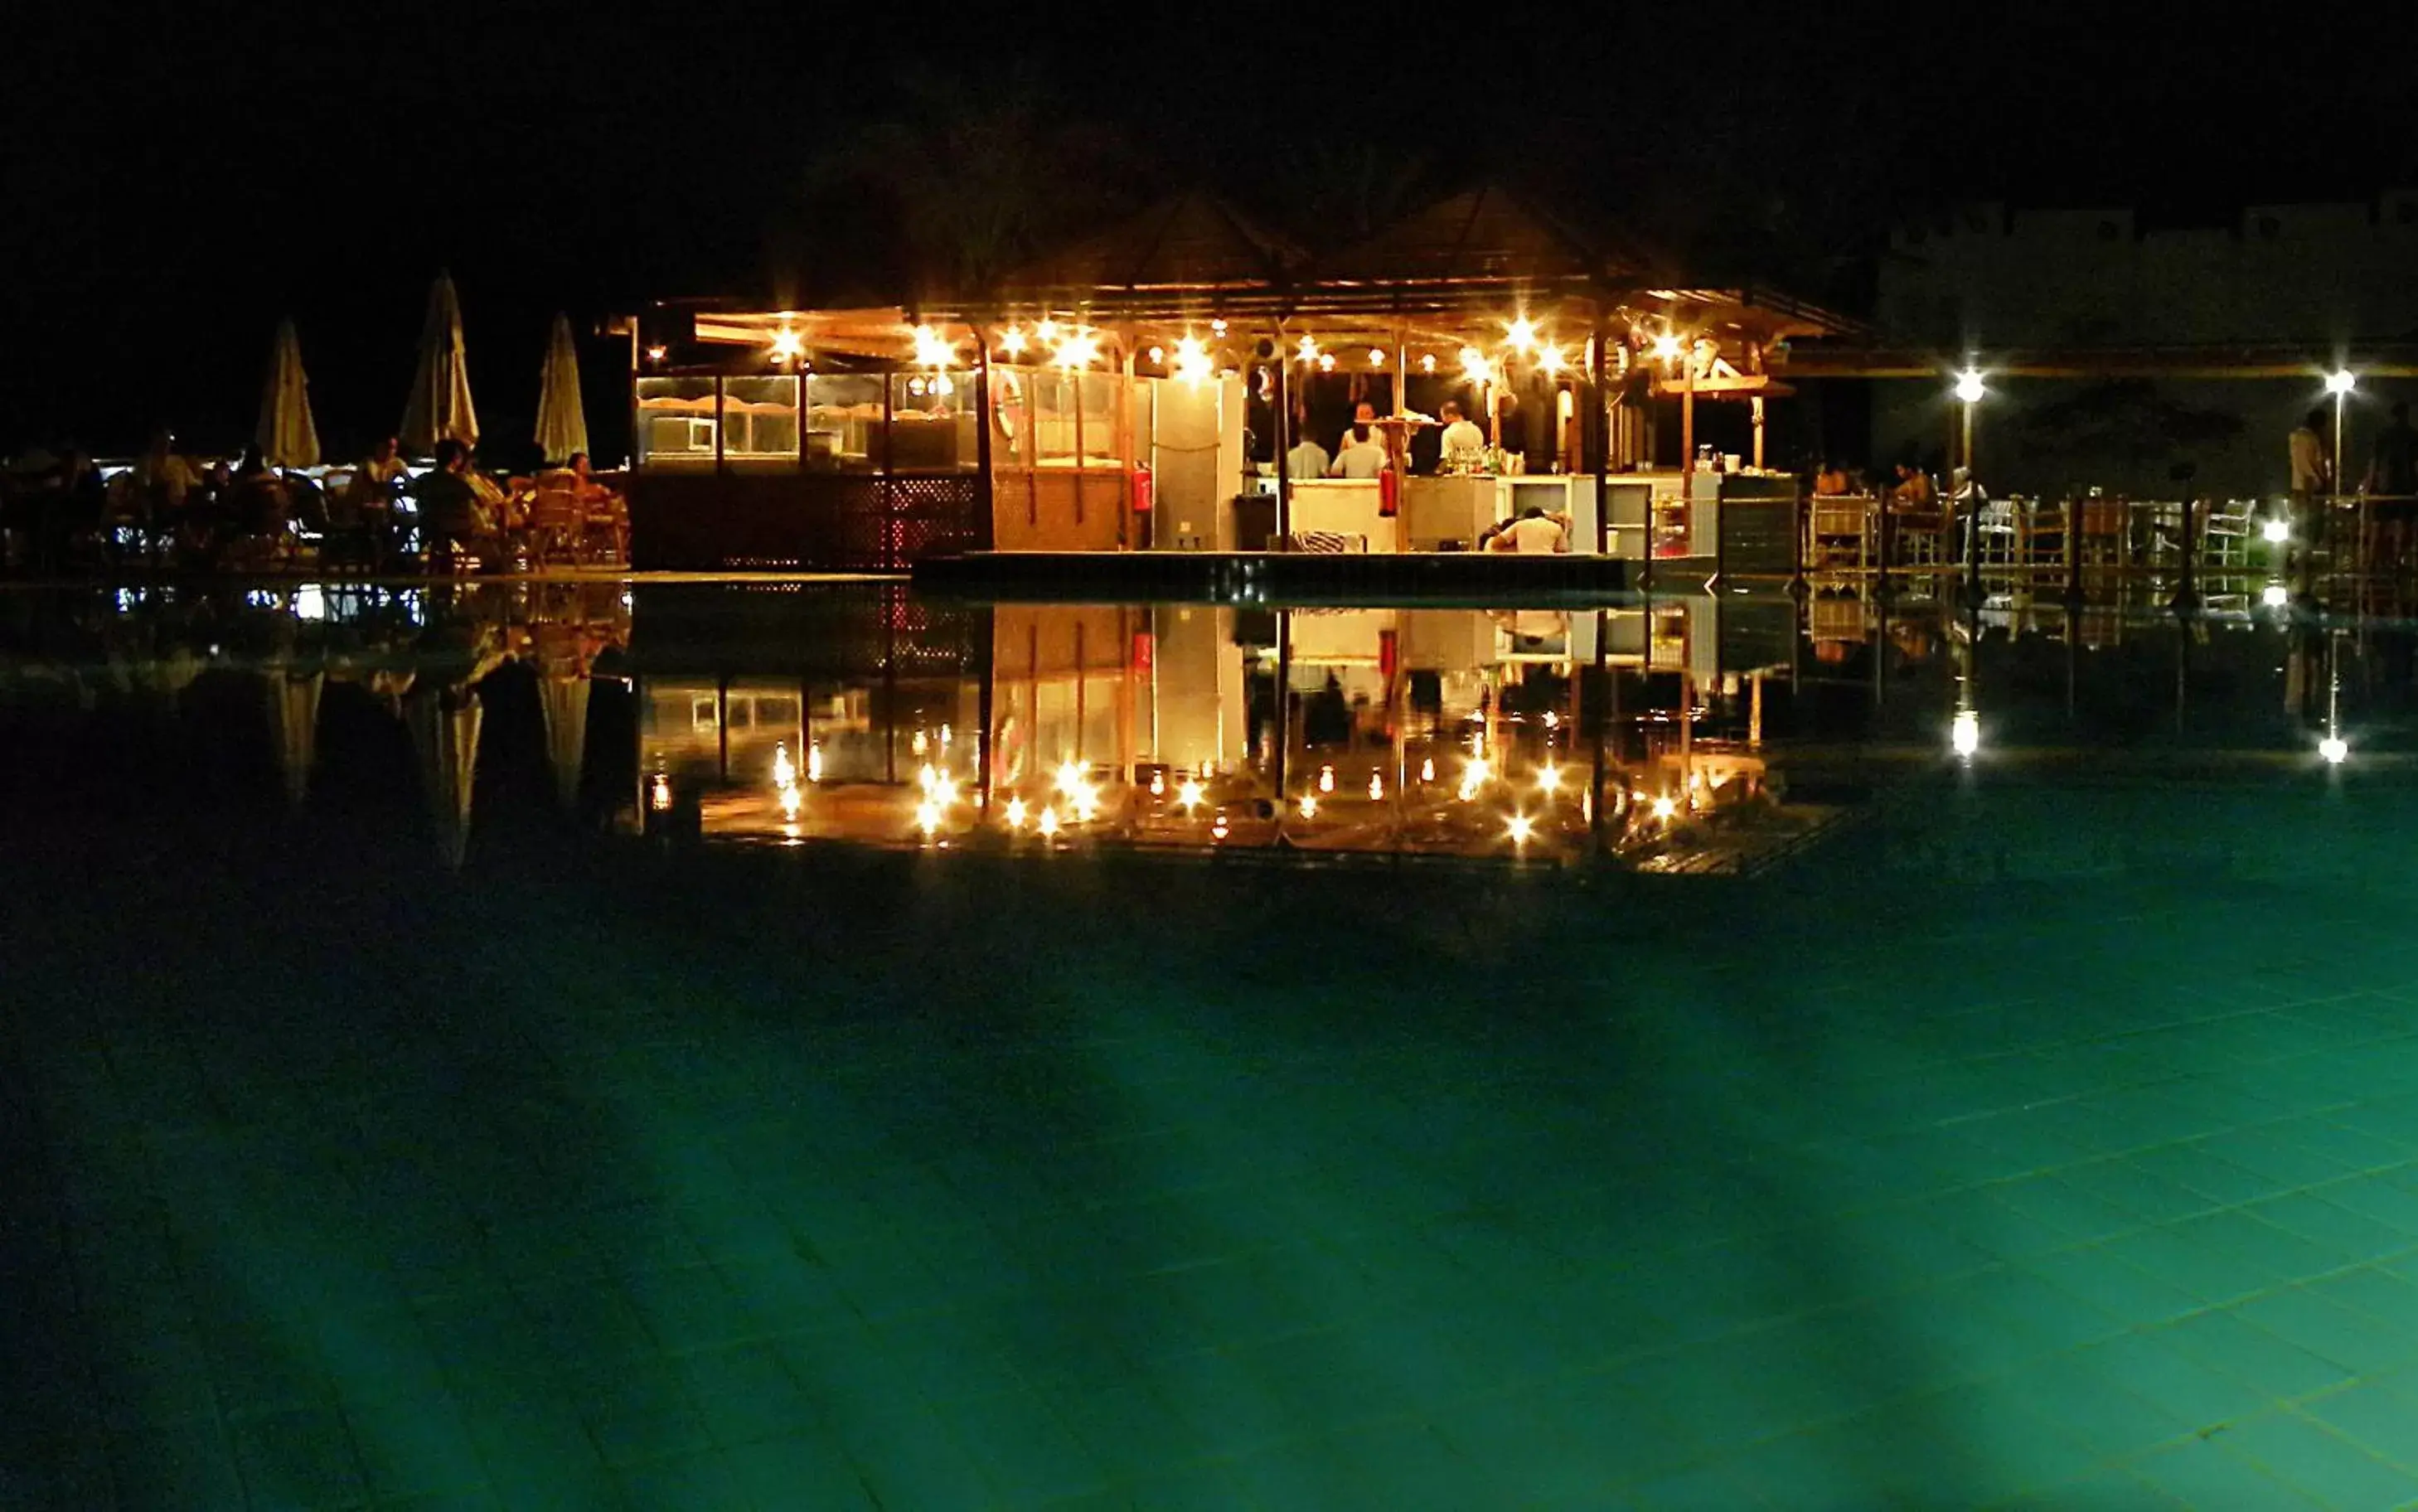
(978, 177)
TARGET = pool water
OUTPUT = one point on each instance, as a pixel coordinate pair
(451, 1062)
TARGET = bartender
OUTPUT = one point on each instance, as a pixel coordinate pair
(1462, 441)
(1364, 416)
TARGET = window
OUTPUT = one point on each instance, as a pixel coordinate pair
(676, 418)
(843, 422)
(759, 417)
(931, 421)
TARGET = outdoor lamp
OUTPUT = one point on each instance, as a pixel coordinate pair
(1968, 387)
(2334, 749)
(1522, 827)
(1011, 341)
(787, 345)
(2275, 596)
(2277, 530)
(2341, 381)
(1666, 346)
(1522, 334)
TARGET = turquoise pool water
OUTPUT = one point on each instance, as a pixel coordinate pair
(411, 1111)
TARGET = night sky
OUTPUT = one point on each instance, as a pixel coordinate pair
(178, 180)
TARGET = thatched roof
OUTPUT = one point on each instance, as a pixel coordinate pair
(1193, 246)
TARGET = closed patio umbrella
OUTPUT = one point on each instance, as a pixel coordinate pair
(286, 435)
(562, 423)
(440, 407)
(445, 726)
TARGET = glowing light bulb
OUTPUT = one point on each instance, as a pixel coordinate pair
(1964, 732)
(1522, 334)
(787, 345)
(1046, 330)
(928, 816)
(2278, 531)
(1551, 361)
(1158, 784)
(943, 386)
(1376, 357)
(1522, 827)
(1666, 346)
(1077, 351)
(1188, 793)
(1070, 776)
(659, 794)
(1156, 355)
(1968, 387)
(1015, 812)
(2334, 749)
(1310, 805)
(1664, 808)
(784, 771)
(1011, 341)
(1191, 360)
(657, 354)
(1473, 365)
(2341, 381)
(791, 801)
(1427, 363)
(1216, 328)
(1048, 823)
(1427, 770)
(2275, 595)
(815, 762)
(1376, 788)
(932, 349)
(1549, 779)
(1326, 779)
(1306, 348)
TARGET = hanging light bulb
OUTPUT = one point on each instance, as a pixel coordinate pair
(1522, 828)
(1666, 347)
(1427, 770)
(1070, 776)
(1015, 812)
(1191, 360)
(1308, 348)
(1376, 788)
(1427, 362)
(1310, 805)
(932, 349)
(1327, 361)
(1156, 355)
(1522, 334)
(1188, 793)
(1011, 341)
(1326, 779)
(787, 345)
(1048, 332)
(1551, 361)
(1048, 823)
(1376, 357)
(1080, 350)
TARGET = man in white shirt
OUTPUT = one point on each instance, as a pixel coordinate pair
(1534, 533)
(1462, 441)
(1363, 454)
(1307, 459)
(1364, 414)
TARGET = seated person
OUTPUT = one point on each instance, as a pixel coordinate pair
(450, 513)
(1534, 533)
(376, 482)
(1363, 454)
(584, 477)
(1914, 493)
(1831, 481)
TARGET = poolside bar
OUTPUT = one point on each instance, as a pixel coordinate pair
(1151, 389)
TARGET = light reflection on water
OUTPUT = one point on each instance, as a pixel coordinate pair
(1682, 733)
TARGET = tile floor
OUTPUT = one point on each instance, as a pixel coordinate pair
(2095, 1195)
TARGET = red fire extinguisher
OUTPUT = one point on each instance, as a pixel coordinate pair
(1390, 493)
(1142, 490)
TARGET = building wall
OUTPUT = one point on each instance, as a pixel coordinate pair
(2321, 277)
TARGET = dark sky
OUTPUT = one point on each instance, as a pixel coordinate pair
(180, 178)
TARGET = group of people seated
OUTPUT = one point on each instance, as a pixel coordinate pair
(58, 515)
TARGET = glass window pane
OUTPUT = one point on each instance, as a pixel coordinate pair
(759, 417)
(675, 418)
(843, 422)
(932, 421)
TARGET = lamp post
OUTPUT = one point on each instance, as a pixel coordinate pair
(2339, 383)
(1970, 390)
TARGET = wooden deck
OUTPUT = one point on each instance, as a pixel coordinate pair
(1287, 577)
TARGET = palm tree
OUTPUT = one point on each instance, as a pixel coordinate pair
(981, 177)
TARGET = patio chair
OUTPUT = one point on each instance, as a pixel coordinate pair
(2044, 531)
(558, 522)
(1997, 529)
(2231, 526)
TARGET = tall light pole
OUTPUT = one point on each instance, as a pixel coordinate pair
(1970, 390)
(2339, 383)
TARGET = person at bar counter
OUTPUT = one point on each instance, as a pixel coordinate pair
(1512, 426)
(1363, 454)
(1308, 459)
(1462, 441)
(1364, 416)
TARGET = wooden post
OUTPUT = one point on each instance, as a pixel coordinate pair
(1757, 405)
(1282, 402)
(985, 522)
(1595, 439)
(1688, 415)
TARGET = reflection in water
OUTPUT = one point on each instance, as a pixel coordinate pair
(1691, 733)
